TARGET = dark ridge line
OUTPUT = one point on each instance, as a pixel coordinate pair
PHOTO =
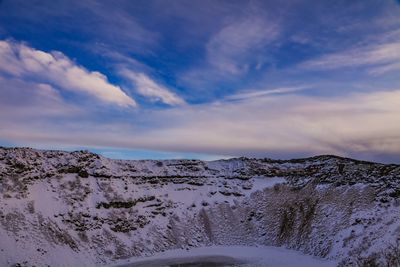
(322, 157)
(325, 157)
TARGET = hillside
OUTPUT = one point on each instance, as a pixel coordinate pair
(82, 209)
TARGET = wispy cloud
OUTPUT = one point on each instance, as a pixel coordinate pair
(150, 89)
(115, 24)
(262, 93)
(238, 48)
(233, 48)
(377, 59)
(22, 61)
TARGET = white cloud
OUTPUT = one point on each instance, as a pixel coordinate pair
(378, 59)
(234, 47)
(149, 88)
(22, 61)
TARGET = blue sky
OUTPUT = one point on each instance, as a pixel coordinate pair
(202, 79)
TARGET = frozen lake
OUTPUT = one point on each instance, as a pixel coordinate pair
(240, 256)
(193, 261)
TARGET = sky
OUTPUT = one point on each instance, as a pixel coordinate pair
(202, 79)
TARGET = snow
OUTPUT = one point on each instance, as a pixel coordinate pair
(12, 251)
(260, 182)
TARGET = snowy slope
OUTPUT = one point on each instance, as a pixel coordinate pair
(80, 209)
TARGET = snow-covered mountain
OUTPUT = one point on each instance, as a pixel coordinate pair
(81, 209)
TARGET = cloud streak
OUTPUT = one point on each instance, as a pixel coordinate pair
(22, 61)
(150, 89)
(378, 59)
(262, 93)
